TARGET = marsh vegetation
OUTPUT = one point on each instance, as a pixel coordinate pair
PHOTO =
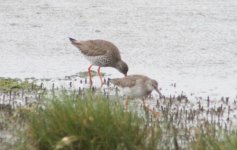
(61, 118)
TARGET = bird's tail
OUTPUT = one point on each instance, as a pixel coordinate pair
(72, 40)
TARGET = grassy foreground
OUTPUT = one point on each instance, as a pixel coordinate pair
(73, 120)
(92, 122)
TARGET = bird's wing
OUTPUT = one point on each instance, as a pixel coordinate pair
(95, 47)
(128, 81)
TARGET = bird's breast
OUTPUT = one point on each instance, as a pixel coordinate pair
(135, 91)
(102, 61)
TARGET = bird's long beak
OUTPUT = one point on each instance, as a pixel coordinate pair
(125, 75)
(158, 91)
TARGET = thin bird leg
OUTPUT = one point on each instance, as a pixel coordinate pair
(126, 104)
(89, 74)
(144, 104)
(147, 109)
(101, 80)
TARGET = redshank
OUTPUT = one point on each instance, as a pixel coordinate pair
(136, 86)
(101, 53)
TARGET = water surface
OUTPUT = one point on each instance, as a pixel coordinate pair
(192, 43)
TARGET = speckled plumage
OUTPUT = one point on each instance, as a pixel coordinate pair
(101, 53)
(102, 61)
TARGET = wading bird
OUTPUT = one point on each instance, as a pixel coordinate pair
(136, 86)
(101, 53)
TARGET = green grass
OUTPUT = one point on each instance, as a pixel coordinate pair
(92, 122)
(217, 141)
(93, 73)
(68, 121)
(8, 84)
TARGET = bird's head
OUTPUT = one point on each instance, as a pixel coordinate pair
(122, 67)
(154, 86)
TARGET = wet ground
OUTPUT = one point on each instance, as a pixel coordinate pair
(190, 43)
(182, 114)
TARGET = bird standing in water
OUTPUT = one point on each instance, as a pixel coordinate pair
(101, 53)
(136, 86)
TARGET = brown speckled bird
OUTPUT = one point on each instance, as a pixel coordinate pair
(101, 53)
(136, 86)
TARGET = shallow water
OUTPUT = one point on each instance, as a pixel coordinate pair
(192, 43)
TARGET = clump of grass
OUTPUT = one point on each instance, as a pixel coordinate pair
(232, 141)
(7, 84)
(214, 139)
(91, 122)
(93, 73)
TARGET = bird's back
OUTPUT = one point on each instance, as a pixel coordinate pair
(101, 53)
(132, 85)
(129, 81)
(98, 48)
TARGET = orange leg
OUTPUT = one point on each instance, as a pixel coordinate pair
(126, 104)
(153, 112)
(89, 74)
(101, 80)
